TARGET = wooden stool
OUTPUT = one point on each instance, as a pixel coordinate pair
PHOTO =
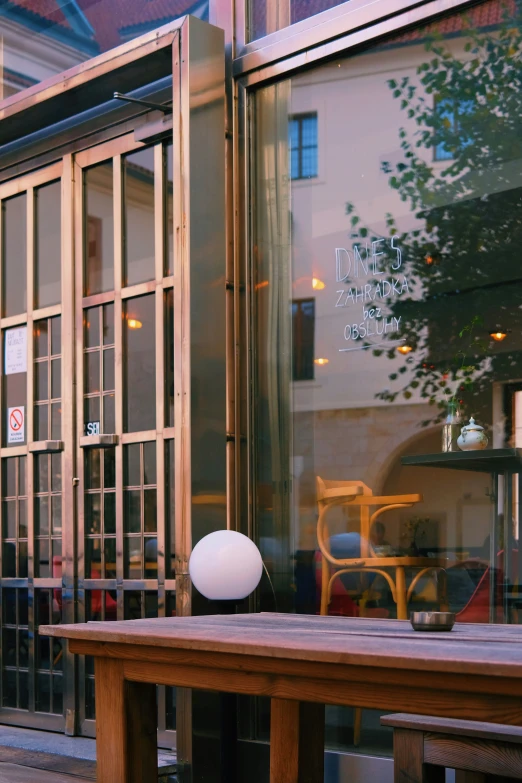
(424, 746)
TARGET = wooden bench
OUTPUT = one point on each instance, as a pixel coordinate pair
(423, 746)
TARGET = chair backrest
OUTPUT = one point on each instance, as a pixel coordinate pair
(326, 485)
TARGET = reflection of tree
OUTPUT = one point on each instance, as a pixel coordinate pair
(464, 256)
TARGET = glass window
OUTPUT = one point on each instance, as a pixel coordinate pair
(139, 216)
(407, 256)
(48, 253)
(15, 648)
(100, 513)
(302, 135)
(49, 653)
(140, 521)
(99, 370)
(14, 255)
(99, 229)
(47, 379)
(140, 364)
(48, 515)
(266, 16)
(14, 518)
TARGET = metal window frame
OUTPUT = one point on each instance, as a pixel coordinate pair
(188, 53)
(340, 31)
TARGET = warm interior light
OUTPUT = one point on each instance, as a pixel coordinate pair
(429, 260)
(404, 349)
(317, 284)
(133, 323)
(262, 284)
(321, 361)
(498, 335)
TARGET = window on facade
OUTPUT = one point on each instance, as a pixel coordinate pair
(450, 116)
(415, 326)
(303, 330)
(303, 146)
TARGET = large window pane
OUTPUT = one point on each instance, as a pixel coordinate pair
(139, 216)
(48, 256)
(14, 255)
(99, 229)
(388, 300)
(140, 364)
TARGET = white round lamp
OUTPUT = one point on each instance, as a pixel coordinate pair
(225, 566)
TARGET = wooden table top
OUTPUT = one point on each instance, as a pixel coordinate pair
(495, 650)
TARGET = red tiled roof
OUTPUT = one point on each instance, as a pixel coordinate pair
(110, 17)
(489, 14)
(45, 9)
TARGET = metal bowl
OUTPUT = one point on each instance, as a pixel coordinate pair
(432, 621)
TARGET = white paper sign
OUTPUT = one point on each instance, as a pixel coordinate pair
(16, 350)
(16, 424)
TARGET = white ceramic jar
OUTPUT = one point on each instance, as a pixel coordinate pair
(472, 437)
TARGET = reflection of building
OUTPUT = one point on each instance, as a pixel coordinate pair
(39, 38)
(337, 408)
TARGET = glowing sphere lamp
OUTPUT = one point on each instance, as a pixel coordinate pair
(225, 566)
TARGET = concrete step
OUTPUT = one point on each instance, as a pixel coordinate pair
(56, 753)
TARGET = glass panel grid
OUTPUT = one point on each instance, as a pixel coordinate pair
(47, 379)
(100, 514)
(15, 648)
(140, 511)
(48, 515)
(99, 370)
(49, 653)
(14, 518)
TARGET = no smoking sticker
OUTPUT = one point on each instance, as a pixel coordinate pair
(16, 424)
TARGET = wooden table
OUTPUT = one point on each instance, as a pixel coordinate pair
(302, 662)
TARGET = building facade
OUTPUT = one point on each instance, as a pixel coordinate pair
(280, 262)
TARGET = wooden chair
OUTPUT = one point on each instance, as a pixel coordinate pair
(424, 746)
(357, 495)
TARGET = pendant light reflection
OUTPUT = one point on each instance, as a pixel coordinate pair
(133, 323)
(499, 334)
(404, 349)
(321, 361)
(317, 284)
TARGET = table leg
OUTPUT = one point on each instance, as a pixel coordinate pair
(296, 742)
(400, 588)
(126, 725)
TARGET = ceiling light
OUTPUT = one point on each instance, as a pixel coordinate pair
(498, 334)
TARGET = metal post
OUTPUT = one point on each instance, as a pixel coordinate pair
(508, 545)
(493, 549)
